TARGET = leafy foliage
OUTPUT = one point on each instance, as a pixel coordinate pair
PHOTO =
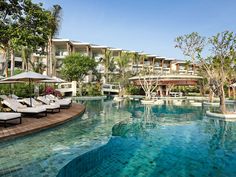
(190, 44)
(76, 66)
(92, 89)
(221, 65)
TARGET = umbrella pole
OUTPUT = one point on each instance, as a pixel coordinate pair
(30, 94)
(45, 89)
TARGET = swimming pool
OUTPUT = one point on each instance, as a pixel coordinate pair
(162, 140)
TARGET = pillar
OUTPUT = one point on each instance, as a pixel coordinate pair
(74, 88)
(234, 92)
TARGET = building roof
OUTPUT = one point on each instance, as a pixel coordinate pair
(98, 46)
(60, 40)
(80, 43)
(115, 49)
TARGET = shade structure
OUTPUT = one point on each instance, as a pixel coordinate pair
(54, 80)
(28, 77)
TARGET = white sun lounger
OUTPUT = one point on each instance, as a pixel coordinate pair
(20, 108)
(49, 107)
(62, 103)
(8, 116)
(52, 97)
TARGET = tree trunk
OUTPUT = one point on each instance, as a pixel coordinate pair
(12, 61)
(50, 57)
(3, 64)
(222, 100)
(80, 88)
(47, 61)
(211, 96)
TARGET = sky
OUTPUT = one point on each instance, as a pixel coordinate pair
(143, 25)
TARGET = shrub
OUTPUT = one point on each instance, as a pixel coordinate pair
(133, 90)
(91, 90)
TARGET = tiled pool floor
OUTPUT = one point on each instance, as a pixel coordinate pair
(45, 153)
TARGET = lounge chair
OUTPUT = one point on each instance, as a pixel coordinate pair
(53, 97)
(20, 108)
(8, 116)
(3, 97)
(47, 100)
(49, 107)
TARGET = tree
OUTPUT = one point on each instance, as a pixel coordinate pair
(135, 61)
(108, 62)
(148, 82)
(220, 66)
(123, 62)
(190, 44)
(23, 23)
(76, 66)
(54, 25)
(10, 15)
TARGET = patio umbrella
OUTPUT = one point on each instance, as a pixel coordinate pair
(54, 80)
(28, 77)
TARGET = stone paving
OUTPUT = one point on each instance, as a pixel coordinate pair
(32, 124)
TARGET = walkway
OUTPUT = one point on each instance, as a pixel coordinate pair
(30, 125)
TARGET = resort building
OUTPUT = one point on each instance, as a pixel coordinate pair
(171, 71)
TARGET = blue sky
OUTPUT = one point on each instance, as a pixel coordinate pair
(143, 25)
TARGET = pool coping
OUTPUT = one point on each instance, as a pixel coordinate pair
(221, 116)
(32, 125)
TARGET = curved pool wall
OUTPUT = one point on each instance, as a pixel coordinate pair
(180, 135)
(163, 141)
(46, 152)
(81, 165)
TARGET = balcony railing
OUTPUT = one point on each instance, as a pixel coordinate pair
(182, 71)
(61, 53)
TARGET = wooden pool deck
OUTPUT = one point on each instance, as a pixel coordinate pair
(30, 124)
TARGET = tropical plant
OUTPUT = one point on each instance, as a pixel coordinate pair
(136, 58)
(123, 62)
(191, 45)
(22, 23)
(221, 65)
(54, 26)
(76, 66)
(148, 82)
(108, 62)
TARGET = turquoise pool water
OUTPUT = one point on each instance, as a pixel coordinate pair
(163, 140)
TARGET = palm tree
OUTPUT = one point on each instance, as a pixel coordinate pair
(108, 62)
(54, 28)
(135, 60)
(123, 62)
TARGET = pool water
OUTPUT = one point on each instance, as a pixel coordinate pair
(45, 153)
(162, 141)
(126, 139)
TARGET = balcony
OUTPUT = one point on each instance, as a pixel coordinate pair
(61, 53)
(98, 57)
(147, 63)
(166, 70)
(191, 72)
(182, 71)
